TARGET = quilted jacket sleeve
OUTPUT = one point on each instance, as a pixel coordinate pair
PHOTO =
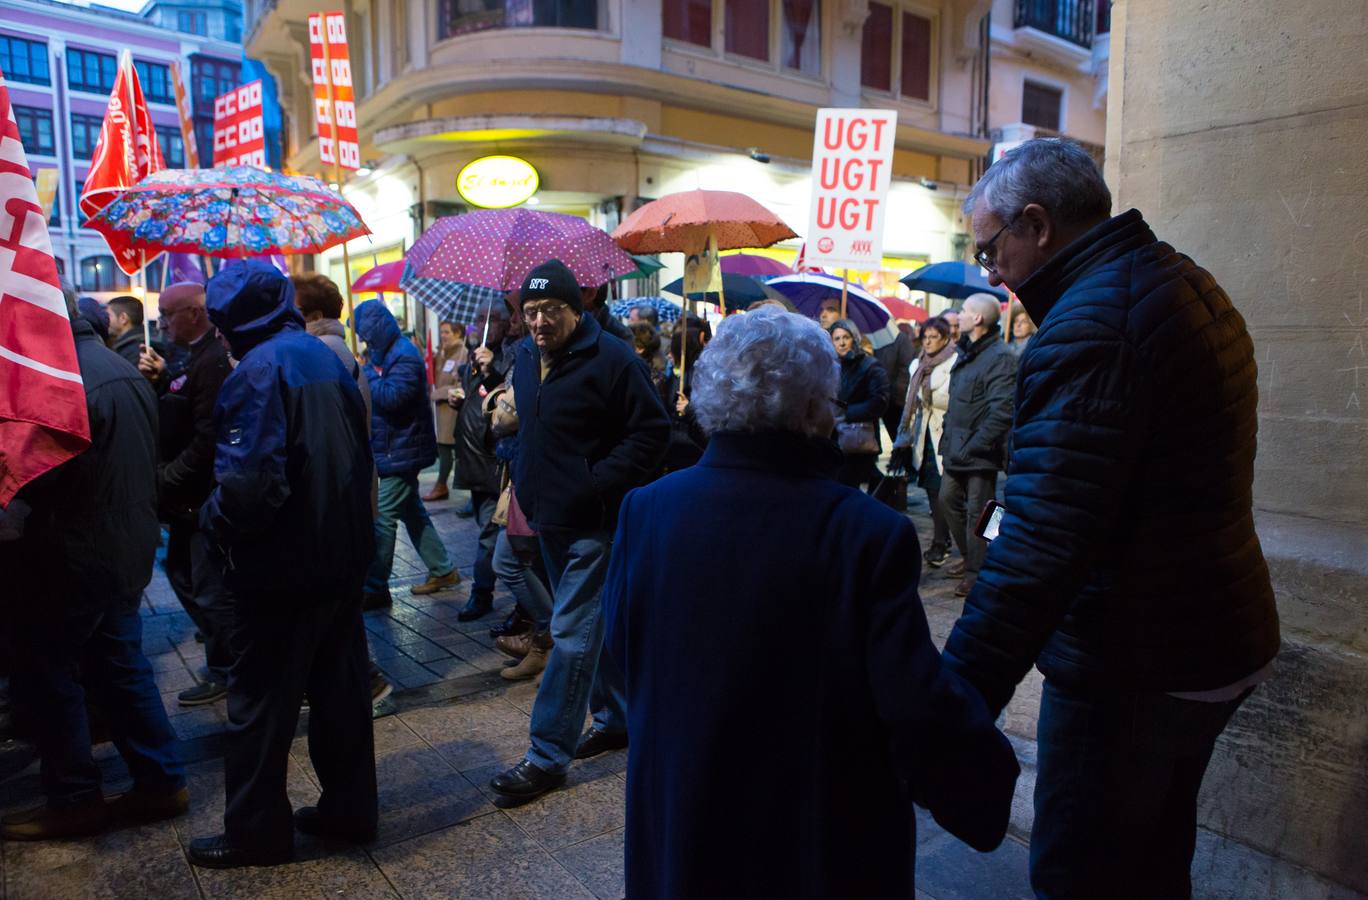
(1073, 451)
(402, 384)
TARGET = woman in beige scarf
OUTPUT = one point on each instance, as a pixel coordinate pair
(919, 432)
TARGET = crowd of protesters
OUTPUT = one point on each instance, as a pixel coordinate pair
(599, 458)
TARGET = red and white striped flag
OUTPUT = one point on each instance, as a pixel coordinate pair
(126, 153)
(42, 401)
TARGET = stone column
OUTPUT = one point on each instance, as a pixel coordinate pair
(1239, 131)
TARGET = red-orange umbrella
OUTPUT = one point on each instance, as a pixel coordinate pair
(903, 309)
(682, 222)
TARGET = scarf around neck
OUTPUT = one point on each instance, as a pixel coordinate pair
(919, 387)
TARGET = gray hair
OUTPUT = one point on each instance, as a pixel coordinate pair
(1053, 172)
(767, 370)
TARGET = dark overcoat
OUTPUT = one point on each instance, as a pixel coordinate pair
(785, 703)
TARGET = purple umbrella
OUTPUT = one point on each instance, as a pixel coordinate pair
(754, 265)
(806, 291)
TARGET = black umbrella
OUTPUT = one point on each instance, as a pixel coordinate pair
(741, 291)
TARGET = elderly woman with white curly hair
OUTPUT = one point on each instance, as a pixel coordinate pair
(786, 706)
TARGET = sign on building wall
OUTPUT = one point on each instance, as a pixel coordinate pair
(852, 168)
(497, 182)
(240, 127)
(332, 79)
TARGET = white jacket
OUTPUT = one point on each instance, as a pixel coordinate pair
(932, 417)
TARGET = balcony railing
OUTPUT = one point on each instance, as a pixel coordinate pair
(1069, 20)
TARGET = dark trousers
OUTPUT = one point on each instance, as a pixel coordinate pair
(1116, 792)
(962, 497)
(892, 417)
(197, 579)
(485, 504)
(446, 461)
(929, 477)
(287, 644)
(95, 652)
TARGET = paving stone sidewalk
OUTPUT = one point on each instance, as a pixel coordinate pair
(453, 724)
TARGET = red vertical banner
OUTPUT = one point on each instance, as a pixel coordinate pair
(334, 99)
(240, 127)
(187, 124)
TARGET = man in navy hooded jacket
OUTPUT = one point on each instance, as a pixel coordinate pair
(404, 441)
(290, 520)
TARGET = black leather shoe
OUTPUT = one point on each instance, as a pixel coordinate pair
(308, 820)
(217, 853)
(516, 623)
(478, 605)
(525, 781)
(596, 742)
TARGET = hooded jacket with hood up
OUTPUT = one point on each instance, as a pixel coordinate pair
(292, 506)
(403, 438)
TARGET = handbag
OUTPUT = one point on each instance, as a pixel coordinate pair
(891, 490)
(857, 437)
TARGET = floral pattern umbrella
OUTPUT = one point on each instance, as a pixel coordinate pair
(230, 212)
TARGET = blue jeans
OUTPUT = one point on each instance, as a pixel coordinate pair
(1116, 792)
(526, 586)
(399, 501)
(578, 675)
(99, 652)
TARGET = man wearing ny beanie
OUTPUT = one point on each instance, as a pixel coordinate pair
(591, 428)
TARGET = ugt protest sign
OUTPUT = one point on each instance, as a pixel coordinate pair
(852, 166)
(240, 127)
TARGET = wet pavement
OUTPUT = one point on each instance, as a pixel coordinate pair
(451, 724)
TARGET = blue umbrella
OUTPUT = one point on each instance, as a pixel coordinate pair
(807, 290)
(955, 280)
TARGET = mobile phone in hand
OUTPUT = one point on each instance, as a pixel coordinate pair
(990, 520)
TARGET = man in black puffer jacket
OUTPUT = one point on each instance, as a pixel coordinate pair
(1127, 567)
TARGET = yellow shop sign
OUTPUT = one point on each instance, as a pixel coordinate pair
(497, 182)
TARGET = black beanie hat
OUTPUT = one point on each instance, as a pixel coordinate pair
(555, 280)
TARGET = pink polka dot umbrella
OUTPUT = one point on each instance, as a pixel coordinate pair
(497, 248)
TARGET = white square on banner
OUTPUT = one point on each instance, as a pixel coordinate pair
(852, 168)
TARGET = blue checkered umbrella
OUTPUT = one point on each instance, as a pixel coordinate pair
(668, 312)
(452, 301)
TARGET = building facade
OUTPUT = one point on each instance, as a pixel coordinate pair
(1048, 72)
(60, 62)
(615, 102)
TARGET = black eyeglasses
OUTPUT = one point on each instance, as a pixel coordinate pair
(987, 257)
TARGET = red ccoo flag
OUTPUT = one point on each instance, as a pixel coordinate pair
(42, 401)
(126, 153)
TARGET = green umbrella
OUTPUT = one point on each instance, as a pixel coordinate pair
(646, 266)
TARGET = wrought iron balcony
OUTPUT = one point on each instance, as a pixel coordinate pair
(1070, 20)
